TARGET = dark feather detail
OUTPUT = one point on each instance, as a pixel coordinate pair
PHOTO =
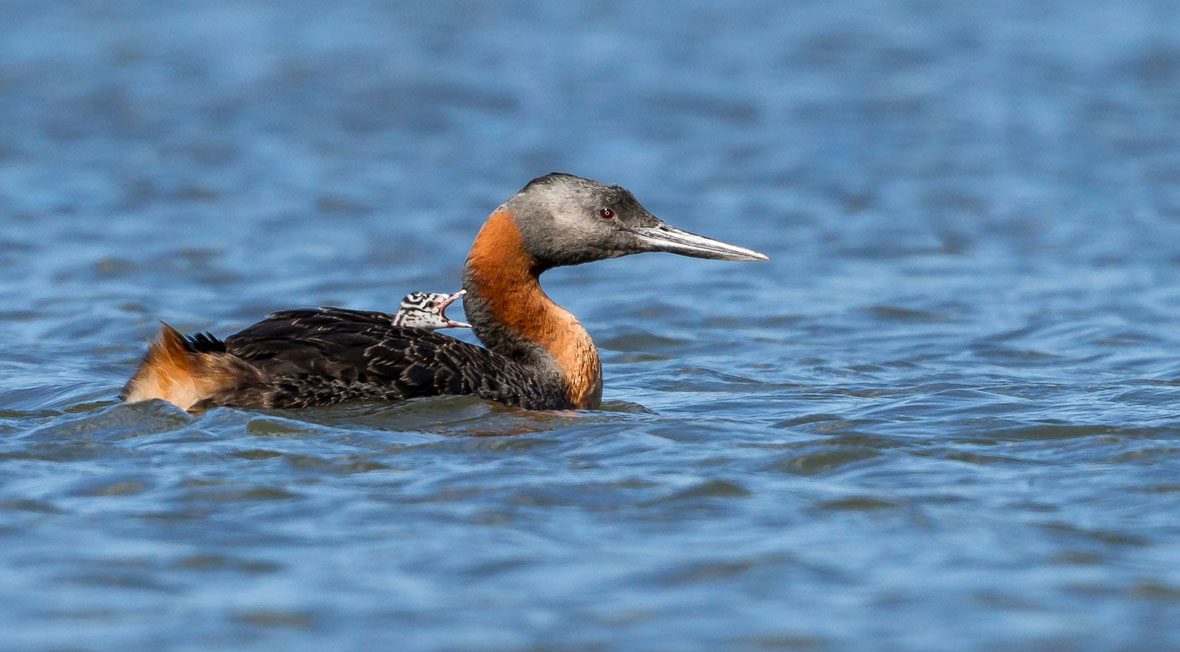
(546, 180)
(329, 355)
(204, 343)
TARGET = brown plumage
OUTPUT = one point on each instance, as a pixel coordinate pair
(187, 370)
(502, 270)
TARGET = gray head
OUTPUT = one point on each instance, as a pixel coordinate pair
(568, 220)
(427, 310)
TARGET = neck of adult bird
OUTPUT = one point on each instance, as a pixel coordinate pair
(513, 316)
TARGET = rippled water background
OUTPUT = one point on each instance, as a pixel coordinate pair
(945, 416)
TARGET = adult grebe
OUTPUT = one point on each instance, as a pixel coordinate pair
(538, 356)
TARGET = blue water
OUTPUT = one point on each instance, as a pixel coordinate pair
(944, 416)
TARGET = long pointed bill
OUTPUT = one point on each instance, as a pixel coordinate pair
(442, 311)
(665, 238)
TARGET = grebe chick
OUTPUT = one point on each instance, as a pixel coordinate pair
(427, 310)
(538, 356)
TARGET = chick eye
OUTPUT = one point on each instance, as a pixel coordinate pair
(606, 213)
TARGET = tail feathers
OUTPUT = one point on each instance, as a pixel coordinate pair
(187, 370)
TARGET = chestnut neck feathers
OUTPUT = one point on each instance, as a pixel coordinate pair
(513, 316)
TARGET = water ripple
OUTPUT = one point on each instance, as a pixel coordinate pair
(943, 416)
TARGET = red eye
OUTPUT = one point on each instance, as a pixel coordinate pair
(606, 213)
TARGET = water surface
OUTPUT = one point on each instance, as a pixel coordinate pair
(944, 416)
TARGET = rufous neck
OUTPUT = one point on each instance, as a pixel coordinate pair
(513, 316)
